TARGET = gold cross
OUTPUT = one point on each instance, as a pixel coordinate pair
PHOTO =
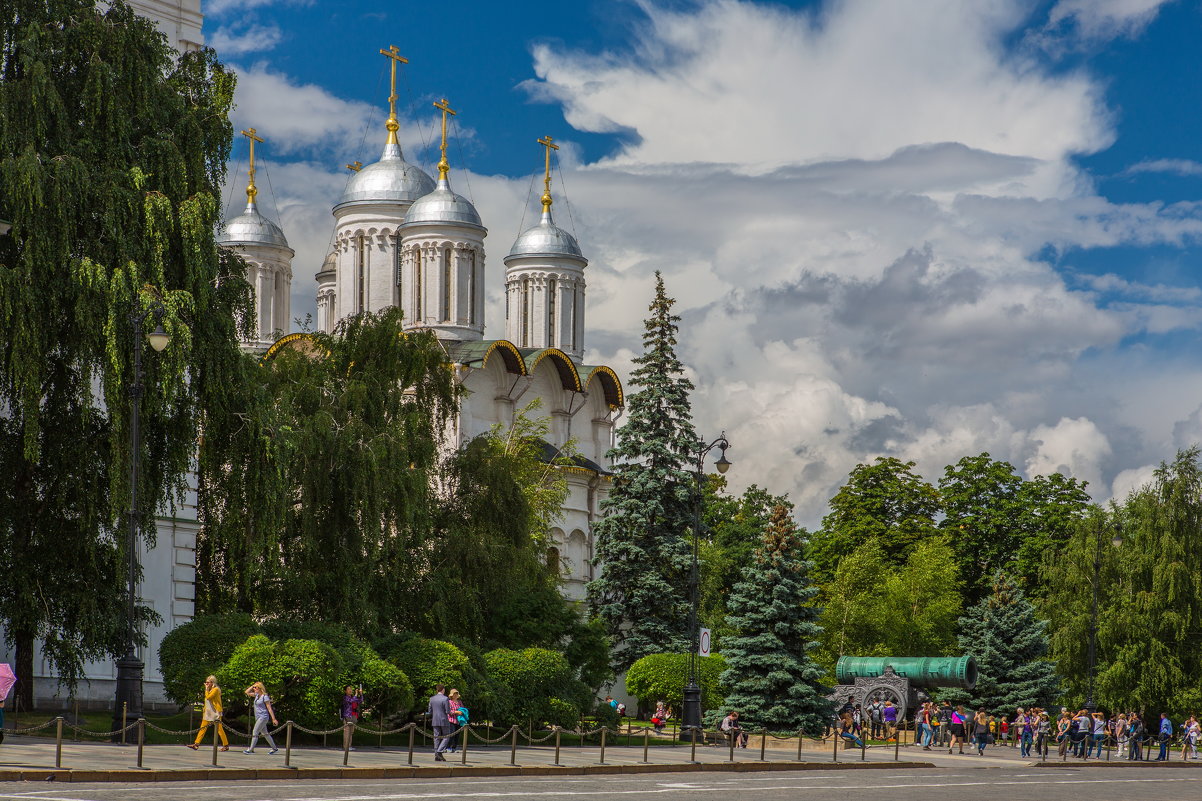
(251, 191)
(395, 57)
(355, 166)
(546, 142)
(443, 166)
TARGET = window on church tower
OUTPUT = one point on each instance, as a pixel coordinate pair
(446, 285)
(471, 287)
(551, 313)
(361, 258)
(396, 269)
(417, 284)
(525, 312)
(573, 317)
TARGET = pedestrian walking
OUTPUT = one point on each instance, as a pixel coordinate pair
(889, 719)
(439, 710)
(945, 725)
(958, 732)
(1043, 732)
(1135, 737)
(981, 731)
(454, 704)
(1166, 734)
(263, 713)
(1026, 733)
(211, 715)
(1189, 738)
(927, 719)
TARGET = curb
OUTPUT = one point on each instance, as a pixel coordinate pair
(429, 772)
(1118, 763)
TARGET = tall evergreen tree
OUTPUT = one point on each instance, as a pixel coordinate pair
(111, 158)
(1010, 646)
(642, 593)
(774, 682)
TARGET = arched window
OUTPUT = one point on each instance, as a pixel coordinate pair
(446, 285)
(361, 258)
(554, 565)
(574, 309)
(396, 270)
(525, 312)
(471, 287)
(551, 314)
(417, 284)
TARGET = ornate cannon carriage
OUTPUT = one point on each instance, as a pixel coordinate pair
(899, 679)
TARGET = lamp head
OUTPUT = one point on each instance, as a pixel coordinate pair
(1117, 539)
(159, 337)
(723, 464)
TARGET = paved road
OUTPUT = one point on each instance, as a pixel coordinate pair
(939, 784)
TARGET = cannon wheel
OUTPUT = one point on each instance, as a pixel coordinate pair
(888, 693)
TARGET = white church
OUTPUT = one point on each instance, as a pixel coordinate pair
(401, 239)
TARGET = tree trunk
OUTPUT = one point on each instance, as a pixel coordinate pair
(23, 692)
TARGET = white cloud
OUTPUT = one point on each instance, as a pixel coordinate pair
(1093, 20)
(853, 215)
(1172, 166)
(236, 40)
(219, 8)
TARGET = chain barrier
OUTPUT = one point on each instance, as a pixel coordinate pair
(81, 730)
(380, 732)
(299, 727)
(487, 741)
(45, 725)
(161, 730)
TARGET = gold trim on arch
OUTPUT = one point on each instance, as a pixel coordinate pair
(509, 348)
(618, 398)
(563, 359)
(284, 342)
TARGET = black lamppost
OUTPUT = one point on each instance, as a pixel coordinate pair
(692, 689)
(129, 667)
(1116, 540)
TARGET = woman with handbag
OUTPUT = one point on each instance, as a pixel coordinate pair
(211, 715)
(981, 731)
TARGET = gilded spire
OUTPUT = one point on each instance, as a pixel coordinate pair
(444, 166)
(251, 190)
(546, 198)
(393, 54)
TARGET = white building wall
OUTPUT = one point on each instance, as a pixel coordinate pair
(178, 20)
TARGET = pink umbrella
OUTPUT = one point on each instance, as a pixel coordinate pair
(7, 679)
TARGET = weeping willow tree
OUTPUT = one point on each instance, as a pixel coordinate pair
(111, 154)
(317, 494)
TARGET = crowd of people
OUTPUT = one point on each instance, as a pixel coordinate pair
(1033, 730)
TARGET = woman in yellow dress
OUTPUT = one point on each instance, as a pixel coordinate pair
(212, 714)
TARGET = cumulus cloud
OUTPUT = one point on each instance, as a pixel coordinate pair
(219, 8)
(236, 40)
(1172, 166)
(855, 216)
(1093, 20)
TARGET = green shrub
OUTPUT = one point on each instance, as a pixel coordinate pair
(192, 651)
(427, 663)
(386, 688)
(661, 677)
(301, 676)
(606, 715)
(533, 684)
(352, 650)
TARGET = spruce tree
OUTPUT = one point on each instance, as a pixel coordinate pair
(642, 592)
(1010, 645)
(774, 683)
(112, 154)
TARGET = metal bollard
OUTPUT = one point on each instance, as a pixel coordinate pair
(557, 731)
(141, 738)
(693, 750)
(863, 748)
(604, 731)
(646, 744)
(835, 740)
(513, 745)
(124, 719)
(731, 736)
(58, 742)
(897, 745)
(287, 743)
(346, 742)
(412, 731)
(763, 744)
(800, 735)
(463, 750)
(216, 728)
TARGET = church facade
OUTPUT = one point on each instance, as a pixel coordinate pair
(402, 239)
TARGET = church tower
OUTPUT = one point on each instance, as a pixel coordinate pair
(544, 282)
(441, 277)
(261, 243)
(368, 216)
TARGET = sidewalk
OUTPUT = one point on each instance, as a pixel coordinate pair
(23, 759)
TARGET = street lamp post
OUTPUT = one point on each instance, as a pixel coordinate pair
(1116, 540)
(692, 687)
(129, 668)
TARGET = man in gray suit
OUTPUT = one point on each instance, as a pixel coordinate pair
(439, 711)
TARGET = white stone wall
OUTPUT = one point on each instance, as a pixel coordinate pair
(178, 20)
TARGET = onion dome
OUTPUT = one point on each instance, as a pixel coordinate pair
(546, 239)
(252, 228)
(389, 180)
(443, 206)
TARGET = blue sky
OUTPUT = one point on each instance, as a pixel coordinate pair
(922, 229)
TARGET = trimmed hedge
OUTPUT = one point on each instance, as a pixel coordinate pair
(427, 663)
(302, 677)
(534, 684)
(193, 651)
(661, 677)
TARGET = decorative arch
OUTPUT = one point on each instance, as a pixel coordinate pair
(569, 378)
(304, 342)
(611, 386)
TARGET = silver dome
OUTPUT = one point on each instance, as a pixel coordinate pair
(546, 239)
(391, 179)
(252, 228)
(443, 206)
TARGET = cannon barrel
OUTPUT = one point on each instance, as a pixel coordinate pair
(922, 671)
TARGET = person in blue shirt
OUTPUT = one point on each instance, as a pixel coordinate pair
(1166, 734)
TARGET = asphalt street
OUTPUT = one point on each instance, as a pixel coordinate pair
(918, 785)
